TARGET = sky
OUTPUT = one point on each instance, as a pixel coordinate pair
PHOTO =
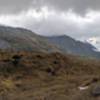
(79, 19)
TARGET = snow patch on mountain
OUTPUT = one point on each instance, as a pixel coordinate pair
(95, 41)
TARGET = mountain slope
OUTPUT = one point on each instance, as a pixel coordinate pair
(69, 45)
(23, 39)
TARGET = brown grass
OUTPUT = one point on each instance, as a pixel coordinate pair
(43, 76)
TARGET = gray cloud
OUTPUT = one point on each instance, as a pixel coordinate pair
(51, 24)
(78, 6)
(14, 6)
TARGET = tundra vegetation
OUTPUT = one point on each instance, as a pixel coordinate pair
(48, 76)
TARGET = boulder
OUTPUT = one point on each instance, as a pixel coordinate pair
(96, 91)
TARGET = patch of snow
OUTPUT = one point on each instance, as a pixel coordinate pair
(97, 50)
(95, 41)
(83, 88)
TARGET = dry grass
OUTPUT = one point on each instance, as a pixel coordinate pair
(42, 76)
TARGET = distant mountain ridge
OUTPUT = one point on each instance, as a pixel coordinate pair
(22, 39)
(72, 46)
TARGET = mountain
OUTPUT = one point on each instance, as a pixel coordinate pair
(72, 46)
(22, 39)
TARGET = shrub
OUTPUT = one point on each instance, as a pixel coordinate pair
(16, 59)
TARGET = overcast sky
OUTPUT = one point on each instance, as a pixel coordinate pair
(77, 18)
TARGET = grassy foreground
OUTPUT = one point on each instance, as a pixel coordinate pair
(42, 76)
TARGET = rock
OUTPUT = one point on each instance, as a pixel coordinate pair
(96, 91)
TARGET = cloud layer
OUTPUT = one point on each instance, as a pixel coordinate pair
(78, 6)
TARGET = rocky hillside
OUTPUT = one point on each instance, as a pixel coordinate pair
(22, 39)
(43, 76)
(19, 39)
(72, 46)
